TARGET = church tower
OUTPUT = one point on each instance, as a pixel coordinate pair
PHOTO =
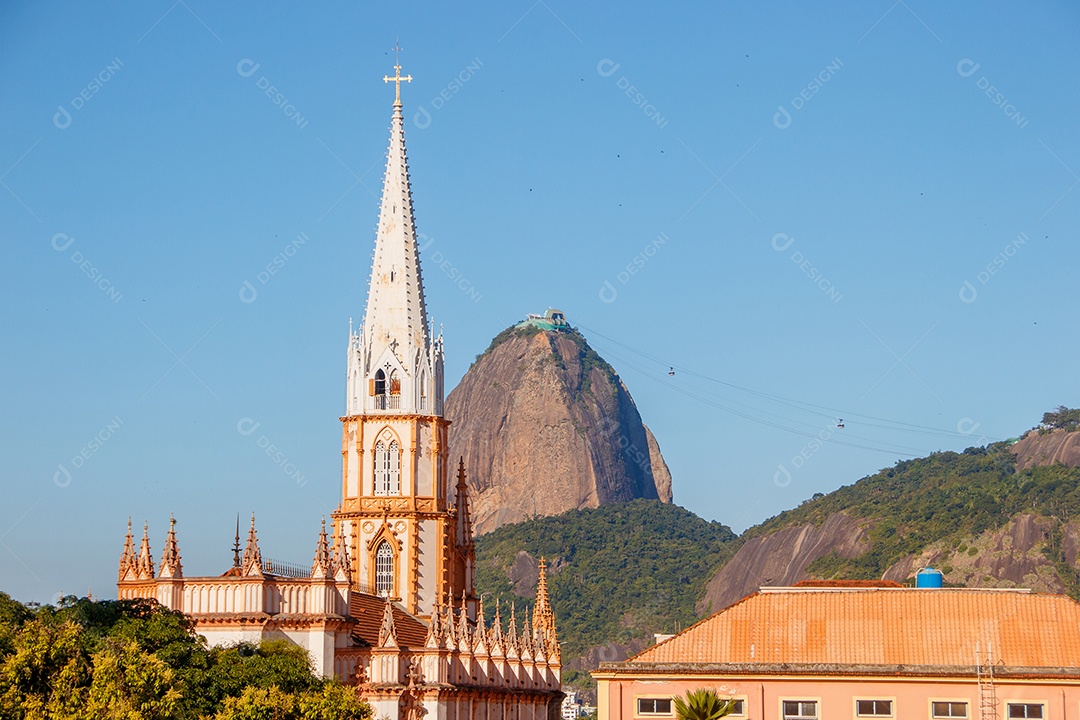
(406, 526)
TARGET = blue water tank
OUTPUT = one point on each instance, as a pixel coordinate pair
(928, 578)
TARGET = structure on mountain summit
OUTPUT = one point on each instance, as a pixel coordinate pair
(552, 319)
(389, 603)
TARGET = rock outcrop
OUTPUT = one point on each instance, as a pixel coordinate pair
(1043, 448)
(1010, 556)
(546, 425)
(782, 557)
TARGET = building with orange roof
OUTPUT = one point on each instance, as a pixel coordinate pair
(864, 650)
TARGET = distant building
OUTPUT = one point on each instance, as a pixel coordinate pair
(551, 320)
(388, 603)
(571, 706)
(865, 650)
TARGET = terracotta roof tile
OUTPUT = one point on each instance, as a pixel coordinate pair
(368, 611)
(882, 626)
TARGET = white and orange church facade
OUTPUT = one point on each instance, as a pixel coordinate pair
(388, 603)
(879, 651)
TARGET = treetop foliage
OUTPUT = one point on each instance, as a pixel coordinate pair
(1062, 418)
(135, 660)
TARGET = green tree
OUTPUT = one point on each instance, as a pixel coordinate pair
(135, 660)
(46, 674)
(130, 684)
(1062, 418)
(333, 701)
(703, 704)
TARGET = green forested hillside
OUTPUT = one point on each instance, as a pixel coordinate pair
(616, 573)
(944, 498)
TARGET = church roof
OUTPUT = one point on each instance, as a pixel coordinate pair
(409, 630)
(882, 626)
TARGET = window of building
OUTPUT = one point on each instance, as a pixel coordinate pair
(384, 569)
(949, 709)
(393, 469)
(738, 709)
(1025, 710)
(800, 710)
(382, 462)
(387, 468)
(873, 708)
(654, 706)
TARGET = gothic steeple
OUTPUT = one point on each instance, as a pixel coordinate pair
(127, 557)
(236, 544)
(464, 518)
(342, 565)
(252, 560)
(512, 633)
(395, 361)
(144, 564)
(436, 637)
(170, 555)
(543, 617)
(387, 630)
(394, 436)
(396, 308)
(322, 566)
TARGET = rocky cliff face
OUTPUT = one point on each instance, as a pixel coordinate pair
(1037, 448)
(1010, 556)
(545, 425)
(782, 557)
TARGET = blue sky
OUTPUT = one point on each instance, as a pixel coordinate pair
(864, 211)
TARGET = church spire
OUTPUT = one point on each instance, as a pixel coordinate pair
(144, 564)
(236, 545)
(252, 560)
(322, 565)
(436, 637)
(543, 617)
(342, 565)
(395, 361)
(511, 632)
(170, 555)
(127, 557)
(464, 518)
(396, 313)
(387, 630)
(464, 634)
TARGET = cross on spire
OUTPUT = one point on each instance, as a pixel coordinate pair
(397, 75)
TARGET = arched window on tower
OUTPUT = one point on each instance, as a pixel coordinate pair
(423, 390)
(387, 468)
(378, 389)
(384, 570)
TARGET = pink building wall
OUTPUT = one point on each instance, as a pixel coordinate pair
(911, 697)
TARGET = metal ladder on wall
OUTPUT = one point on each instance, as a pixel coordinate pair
(987, 693)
